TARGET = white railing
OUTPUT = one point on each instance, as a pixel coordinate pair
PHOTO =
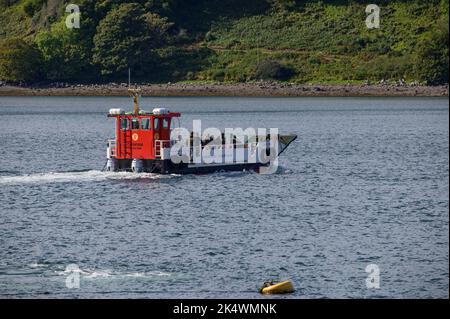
(160, 145)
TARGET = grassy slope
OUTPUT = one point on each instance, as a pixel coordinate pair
(323, 41)
(13, 22)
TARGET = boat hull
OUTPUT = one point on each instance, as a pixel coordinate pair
(167, 167)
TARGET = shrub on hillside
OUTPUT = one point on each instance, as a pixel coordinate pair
(272, 70)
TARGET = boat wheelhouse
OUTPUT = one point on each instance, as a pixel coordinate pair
(143, 143)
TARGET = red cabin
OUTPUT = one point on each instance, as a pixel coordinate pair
(142, 136)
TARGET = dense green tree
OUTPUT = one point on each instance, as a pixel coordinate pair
(64, 56)
(432, 62)
(126, 38)
(19, 61)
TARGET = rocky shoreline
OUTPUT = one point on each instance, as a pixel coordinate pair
(261, 89)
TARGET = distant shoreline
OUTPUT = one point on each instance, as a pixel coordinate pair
(262, 89)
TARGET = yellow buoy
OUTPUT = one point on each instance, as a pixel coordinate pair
(284, 287)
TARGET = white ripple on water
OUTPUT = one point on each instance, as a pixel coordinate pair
(36, 265)
(110, 274)
(87, 176)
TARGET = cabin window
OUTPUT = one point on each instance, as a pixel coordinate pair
(145, 124)
(156, 124)
(135, 124)
(166, 123)
(124, 124)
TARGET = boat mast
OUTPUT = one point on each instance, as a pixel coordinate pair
(135, 93)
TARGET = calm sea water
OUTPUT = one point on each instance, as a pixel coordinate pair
(366, 183)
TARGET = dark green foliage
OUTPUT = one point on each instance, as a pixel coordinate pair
(432, 62)
(19, 61)
(126, 38)
(30, 7)
(64, 56)
(272, 70)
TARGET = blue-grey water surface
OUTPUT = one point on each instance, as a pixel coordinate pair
(367, 182)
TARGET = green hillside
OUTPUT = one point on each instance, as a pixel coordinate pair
(228, 40)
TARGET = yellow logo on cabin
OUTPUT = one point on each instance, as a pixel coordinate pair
(135, 137)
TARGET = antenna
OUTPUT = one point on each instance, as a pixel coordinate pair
(135, 94)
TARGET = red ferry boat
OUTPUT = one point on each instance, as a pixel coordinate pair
(143, 143)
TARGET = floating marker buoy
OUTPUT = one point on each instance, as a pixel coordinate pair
(284, 287)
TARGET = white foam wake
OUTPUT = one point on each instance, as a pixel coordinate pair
(99, 274)
(87, 176)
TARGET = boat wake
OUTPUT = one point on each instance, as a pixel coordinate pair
(110, 274)
(96, 175)
(77, 176)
